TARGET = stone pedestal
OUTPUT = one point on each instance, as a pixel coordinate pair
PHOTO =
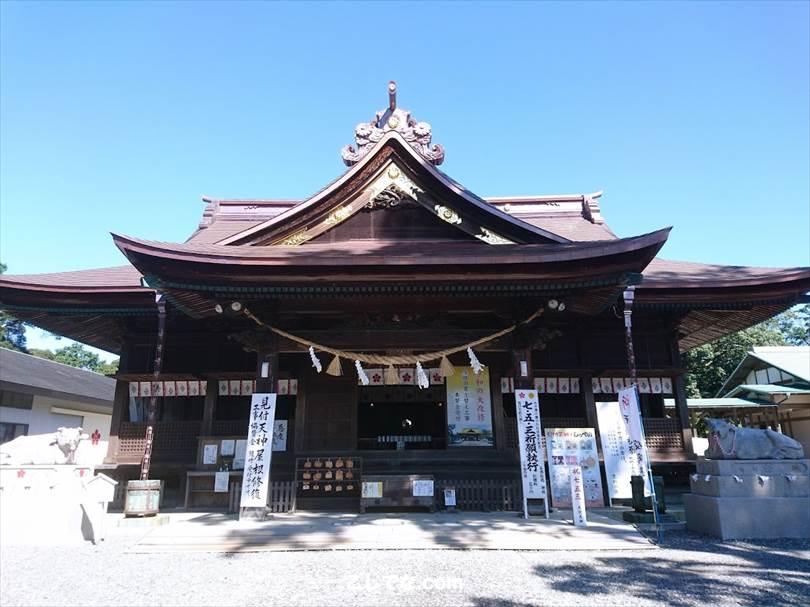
(748, 499)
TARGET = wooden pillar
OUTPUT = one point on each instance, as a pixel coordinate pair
(498, 421)
(120, 406)
(586, 387)
(682, 409)
(209, 407)
(266, 383)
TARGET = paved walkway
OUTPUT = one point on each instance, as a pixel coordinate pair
(214, 532)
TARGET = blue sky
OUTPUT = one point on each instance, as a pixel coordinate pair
(119, 116)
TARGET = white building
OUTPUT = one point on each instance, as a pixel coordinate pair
(37, 396)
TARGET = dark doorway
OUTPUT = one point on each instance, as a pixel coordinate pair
(401, 418)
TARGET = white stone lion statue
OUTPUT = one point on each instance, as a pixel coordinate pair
(727, 441)
(56, 448)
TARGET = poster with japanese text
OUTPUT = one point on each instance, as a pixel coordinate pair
(259, 450)
(578, 498)
(469, 409)
(619, 450)
(569, 447)
(527, 408)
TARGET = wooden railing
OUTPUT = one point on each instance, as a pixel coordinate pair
(280, 496)
(663, 434)
(174, 441)
(487, 495)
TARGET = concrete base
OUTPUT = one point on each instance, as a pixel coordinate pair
(647, 518)
(748, 517)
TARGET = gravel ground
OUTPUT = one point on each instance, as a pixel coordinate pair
(688, 570)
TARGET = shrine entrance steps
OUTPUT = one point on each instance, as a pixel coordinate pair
(217, 532)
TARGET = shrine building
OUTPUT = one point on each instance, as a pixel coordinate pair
(368, 307)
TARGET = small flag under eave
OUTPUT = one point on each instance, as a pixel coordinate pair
(551, 385)
(223, 387)
(283, 387)
(607, 385)
(407, 376)
(194, 387)
(145, 388)
(655, 385)
(666, 385)
(574, 385)
(435, 376)
(540, 384)
(596, 385)
(247, 387)
(169, 388)
(644, 385)
(293, 386)
(134, 390)
(235, 387)
(181, 387)
(375, 377)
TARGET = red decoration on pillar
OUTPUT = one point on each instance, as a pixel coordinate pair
(20, 473)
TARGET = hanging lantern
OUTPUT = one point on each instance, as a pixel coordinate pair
(315, 362)
(476, 365)
(361, 374)
(391, 376)
(422, 380)
(446, 368)
(334, 367)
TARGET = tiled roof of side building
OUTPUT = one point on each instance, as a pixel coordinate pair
(662, 273)
(31, 374)
(121, 277)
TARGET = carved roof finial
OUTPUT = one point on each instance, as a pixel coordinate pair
(392, 95)
(417, 134)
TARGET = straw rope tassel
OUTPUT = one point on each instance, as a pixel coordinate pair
(334, 367)
(446, 368)
(391, 375)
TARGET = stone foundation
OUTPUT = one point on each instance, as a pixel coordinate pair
(748, 499)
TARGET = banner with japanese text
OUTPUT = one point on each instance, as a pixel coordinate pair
(576, 487)
(569, 447)
(258, 451)
(622, 447)
(527, 408)
(469, 409)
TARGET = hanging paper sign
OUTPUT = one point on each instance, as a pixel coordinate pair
(145, 388)
(280, 435)
(221, 480)
(258, 457)
(449, 497)
(226, 447)
(469, 409)
(283, 387)
(293, 386)
(169, 388)
(247, 387)
(181, 387)
(527, 409)
(239, 454)
(574, 385)
(578, 497)
(607, 385)
(234, 387)
(133, 389)
(566, 448)
(655, 385)
(375, 377)
(157, 388)
(596, 386)
(422, 488)
(435, 376)
(564, 385)
(372, 490)
(666, 385)
(193, 388)
(223, 387)
(203, 388)
(644, 385)
(540, 384)
(618, 384)
(551, 385)
(506, 385)
(209, 455)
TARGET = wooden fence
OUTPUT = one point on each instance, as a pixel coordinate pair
(489, 495)
(280, 496)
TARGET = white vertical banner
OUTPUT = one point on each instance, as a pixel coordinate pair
(636, 445)
(531, 449)
(578, 497)
(259, 450)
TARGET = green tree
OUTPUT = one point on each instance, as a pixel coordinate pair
(795, 325)
(710, 365)
(12, 330)
(76, 355)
